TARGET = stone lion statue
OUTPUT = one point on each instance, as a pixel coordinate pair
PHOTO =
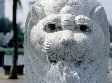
(66, 41)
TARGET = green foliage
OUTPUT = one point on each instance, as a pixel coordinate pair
(5, 25)
(20, 38)
(9, 51)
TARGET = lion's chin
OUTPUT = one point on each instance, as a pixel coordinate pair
(61, 72)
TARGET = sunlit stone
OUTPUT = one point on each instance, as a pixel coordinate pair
(66, 41)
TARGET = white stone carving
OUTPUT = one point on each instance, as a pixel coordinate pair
(66, 41)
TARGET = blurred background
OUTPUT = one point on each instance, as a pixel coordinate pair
(13, 14)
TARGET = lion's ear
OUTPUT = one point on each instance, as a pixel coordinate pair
(99, 16)
(35, 14)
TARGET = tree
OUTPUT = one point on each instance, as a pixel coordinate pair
(13, 74)
(20, 38)
(5, 25)
(5, 28)
(110, 29)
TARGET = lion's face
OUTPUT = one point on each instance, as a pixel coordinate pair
(66, 37)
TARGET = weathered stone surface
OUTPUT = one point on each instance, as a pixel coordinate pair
(67, 41)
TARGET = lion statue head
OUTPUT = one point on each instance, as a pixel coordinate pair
(67, 41)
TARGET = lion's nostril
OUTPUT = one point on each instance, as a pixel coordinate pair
(67, 43)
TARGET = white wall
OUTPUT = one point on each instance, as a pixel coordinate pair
(8, 9)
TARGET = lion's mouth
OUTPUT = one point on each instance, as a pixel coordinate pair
(64, 53)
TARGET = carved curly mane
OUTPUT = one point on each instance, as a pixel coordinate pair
(56, 48)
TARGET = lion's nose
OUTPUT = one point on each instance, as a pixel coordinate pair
(67, 43)
(67, 37)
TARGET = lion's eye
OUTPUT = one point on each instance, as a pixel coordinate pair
(84, 28)
(52, 28)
